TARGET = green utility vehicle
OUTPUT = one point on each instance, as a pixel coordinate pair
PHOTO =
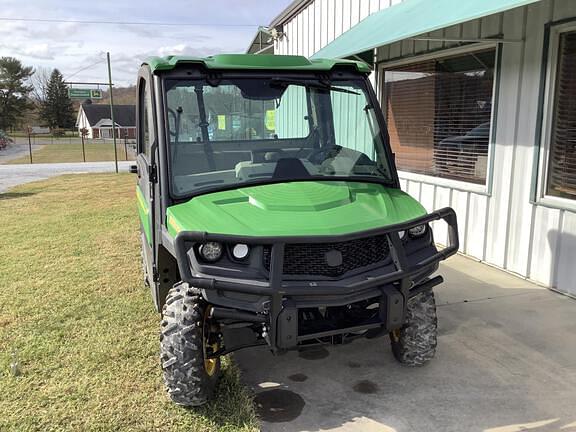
(271, 214)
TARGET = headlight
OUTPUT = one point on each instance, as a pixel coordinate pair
(210, 251)
(417, 231)
(402, 234)
(240, 251)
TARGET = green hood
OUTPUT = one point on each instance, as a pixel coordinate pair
(297, 208)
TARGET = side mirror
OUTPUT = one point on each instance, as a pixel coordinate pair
(133, 169)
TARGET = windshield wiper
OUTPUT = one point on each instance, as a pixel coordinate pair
(262, 181)
(311, 84)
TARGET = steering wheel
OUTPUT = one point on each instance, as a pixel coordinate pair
(267, 155)
(319, 155)
(349, 160)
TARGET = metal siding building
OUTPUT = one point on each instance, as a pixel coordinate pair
(507, 221)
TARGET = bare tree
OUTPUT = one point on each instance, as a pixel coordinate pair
(39, 82)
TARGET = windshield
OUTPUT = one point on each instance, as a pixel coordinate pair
(235, 132)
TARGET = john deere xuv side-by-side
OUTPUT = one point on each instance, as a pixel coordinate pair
(271, 214)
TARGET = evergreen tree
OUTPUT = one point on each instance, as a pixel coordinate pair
(13, 91)
(57, 110)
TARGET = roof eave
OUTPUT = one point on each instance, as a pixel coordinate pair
(288, 13)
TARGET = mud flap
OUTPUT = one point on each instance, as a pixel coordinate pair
(392, 308)
(236, 338)
(287, 325)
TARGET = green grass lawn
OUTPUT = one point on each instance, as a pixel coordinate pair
(72, 152)
(73, 306)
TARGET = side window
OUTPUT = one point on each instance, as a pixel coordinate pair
(144, 120)
(561, 178)
(439, 115)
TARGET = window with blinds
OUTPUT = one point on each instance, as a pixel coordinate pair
(439, 113)
(562, 158)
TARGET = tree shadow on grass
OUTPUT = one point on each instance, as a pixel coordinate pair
(13, 195)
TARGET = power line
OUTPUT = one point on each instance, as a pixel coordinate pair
(84, 68)
(126, 22)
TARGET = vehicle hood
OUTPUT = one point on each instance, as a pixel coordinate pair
(296, 208)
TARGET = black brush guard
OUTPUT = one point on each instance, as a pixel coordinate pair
(281, 315)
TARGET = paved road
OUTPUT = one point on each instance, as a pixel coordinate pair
(506, 362)
(12, 152)
(12, 175)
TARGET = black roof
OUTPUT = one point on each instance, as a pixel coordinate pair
(124, 115)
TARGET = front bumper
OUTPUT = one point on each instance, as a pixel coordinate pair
(277, 300)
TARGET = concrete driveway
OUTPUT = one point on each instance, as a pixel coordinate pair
(12, 175)
(506, 362)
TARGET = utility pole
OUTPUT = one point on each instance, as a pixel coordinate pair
(83, 148)
(30, 143)
(112, 110)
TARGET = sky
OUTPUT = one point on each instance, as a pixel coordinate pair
(225, 26)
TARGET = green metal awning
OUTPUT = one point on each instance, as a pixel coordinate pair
(409, 19)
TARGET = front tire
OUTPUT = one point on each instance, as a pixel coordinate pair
(190, 377)
(414, 344)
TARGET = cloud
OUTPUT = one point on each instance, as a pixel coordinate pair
(41, 50)
(52, 31)
(10, 27)
(76, 48)
(125, 66)
(178, 49)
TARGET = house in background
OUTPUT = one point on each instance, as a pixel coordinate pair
(95, 118)
(479, 100)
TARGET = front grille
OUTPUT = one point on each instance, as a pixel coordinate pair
(309, 259)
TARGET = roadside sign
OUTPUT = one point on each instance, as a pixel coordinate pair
(83, 93)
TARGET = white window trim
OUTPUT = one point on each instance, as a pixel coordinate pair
(447, 52)
(444, 182)
(547, 120)
(483, 189)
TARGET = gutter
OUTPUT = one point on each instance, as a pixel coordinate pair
(290, 12)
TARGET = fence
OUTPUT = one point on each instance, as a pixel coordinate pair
(66, 146)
